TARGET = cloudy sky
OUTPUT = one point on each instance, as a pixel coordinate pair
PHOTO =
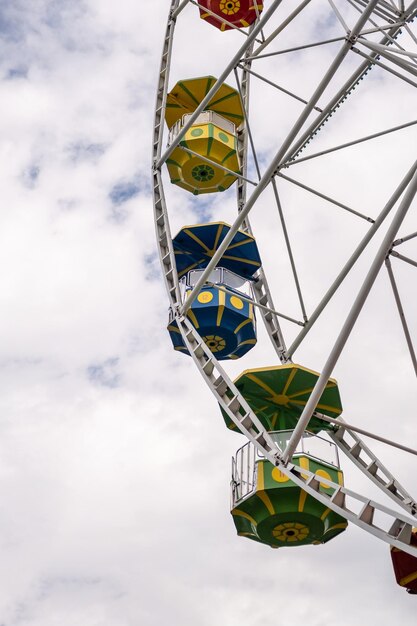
(114, 460)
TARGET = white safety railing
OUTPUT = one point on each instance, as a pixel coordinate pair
(314, 446)
(244, 463)
(243, 472)
(222, 276)
(206, 117)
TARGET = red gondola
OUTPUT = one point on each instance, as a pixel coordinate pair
(405, 566)
(240, 13)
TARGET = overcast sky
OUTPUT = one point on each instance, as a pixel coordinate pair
(114, 460)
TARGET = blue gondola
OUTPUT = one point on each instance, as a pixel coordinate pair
(223, 312)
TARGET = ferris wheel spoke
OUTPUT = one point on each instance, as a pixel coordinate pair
(403, 258)
(289, 251)
(410, 33)
(305, 46)
(401, 313)
(282, 89)
(391, 5)
(383, 10)
(388, 55)
(245, 134)
(379, 11)
(315, 44)
(287, 146)
(397, 242)
(353, 143)
(221, 167)
(397, 48)
(374, 61)
(324, 197)
(339, 16)
(256, 304)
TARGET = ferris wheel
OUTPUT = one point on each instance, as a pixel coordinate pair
(211, 140)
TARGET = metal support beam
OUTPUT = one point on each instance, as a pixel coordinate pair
(247, 136)
(403, 239)
(374, 61)
(351, 319)
(324, 197)
(378, 11)
(389, 50)
(366, 433)
(339, 16)
(367, 31)
(289, 250)
(403, 258)
(282, 89)
(401, 313)
(352, 143)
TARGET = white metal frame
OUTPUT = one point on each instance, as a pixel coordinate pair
(388, 54)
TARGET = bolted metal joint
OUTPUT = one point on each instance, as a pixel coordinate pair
(352, 39)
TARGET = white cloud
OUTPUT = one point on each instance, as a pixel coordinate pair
(114, 459)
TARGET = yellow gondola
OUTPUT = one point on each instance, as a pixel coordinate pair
(206, 160)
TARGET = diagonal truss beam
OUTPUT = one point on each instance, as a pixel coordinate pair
(389, 56)
(397, 242)
(354, 142)
(288, 93)
(324, 197)
(403, 258)
(401, 313)
(373, 60)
